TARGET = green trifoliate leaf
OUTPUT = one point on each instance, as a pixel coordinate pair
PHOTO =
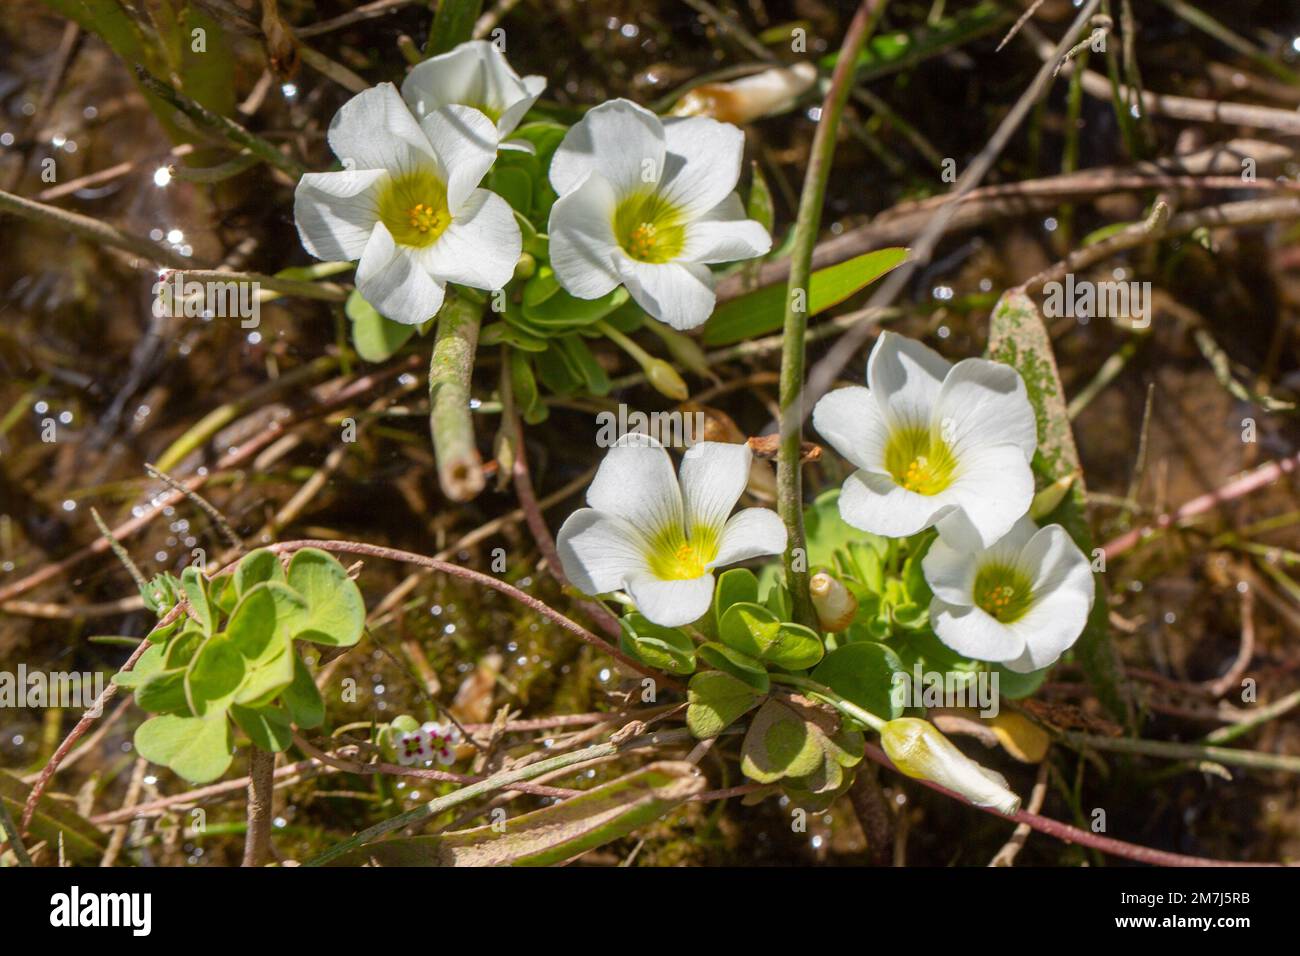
(335, 613)
(197, 749)
(716, 701)
(754, 630)
(664, 648)
(739, 665)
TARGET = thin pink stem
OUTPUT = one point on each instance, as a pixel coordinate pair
(1068, 834)
(1237, 488)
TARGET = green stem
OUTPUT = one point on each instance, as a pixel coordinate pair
(219, 125)
(460, 469)
(1176, 751)
(789, 481)
(92, 229)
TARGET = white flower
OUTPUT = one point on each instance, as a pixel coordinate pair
(1021, 603)
(918, 749)
(935, 444)
(474, 74)
(442, 741)
(659, 539)
(412, 746)
(407, 204)
(648, 203)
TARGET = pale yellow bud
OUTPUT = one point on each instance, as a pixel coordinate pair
(834, 603)
(918, 749)
(666, 380)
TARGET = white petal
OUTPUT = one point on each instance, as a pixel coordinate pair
(390, 279)
(458, 76)
(1058, 563)
(474, 74)
(480, 247)
(750, 533)
(599, 552)
(1064, 591)
(1049, 629)
(950, 573)
(514, 113)
(701, 163)
(851, 421)
(636, 482)
(671, 603)
(986, 402)
(875, 503)
(618, 139)
(335, 212)
(583, 247)
(679, 293)
(973, 633)
(375, 130)
(466, 144)
(725, 241)
(905, 377)
(713, 474)
(992, 490)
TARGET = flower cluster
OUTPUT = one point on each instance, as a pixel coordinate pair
(432, 741)
(949, 447)
(643, 203)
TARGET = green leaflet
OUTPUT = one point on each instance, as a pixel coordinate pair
(763, 310)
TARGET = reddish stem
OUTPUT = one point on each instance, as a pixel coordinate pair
(1237, 488)
(1068, 834)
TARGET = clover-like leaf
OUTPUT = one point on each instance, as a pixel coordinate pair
(151, 662)
(196, 748)
(796, 738)
(196, 592)
(260, 627)
(257, 567)
(736, 663)
(164, 693)
(780, 743)
(735, 586)
(716, 701)
(864, 673)
(302, 698)
(665, 648)
(754, 630)
(335, 613)
(267, 727)
(214, 675)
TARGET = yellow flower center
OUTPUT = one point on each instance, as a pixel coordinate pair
(413, 207)
(1004, 593)
(649, 229)
(673, 558)
(919, 460)
(425, 219)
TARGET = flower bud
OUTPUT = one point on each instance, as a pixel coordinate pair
(834, 603)
(525, 267)
(767, 93)
(918, 749)
(666, 380)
